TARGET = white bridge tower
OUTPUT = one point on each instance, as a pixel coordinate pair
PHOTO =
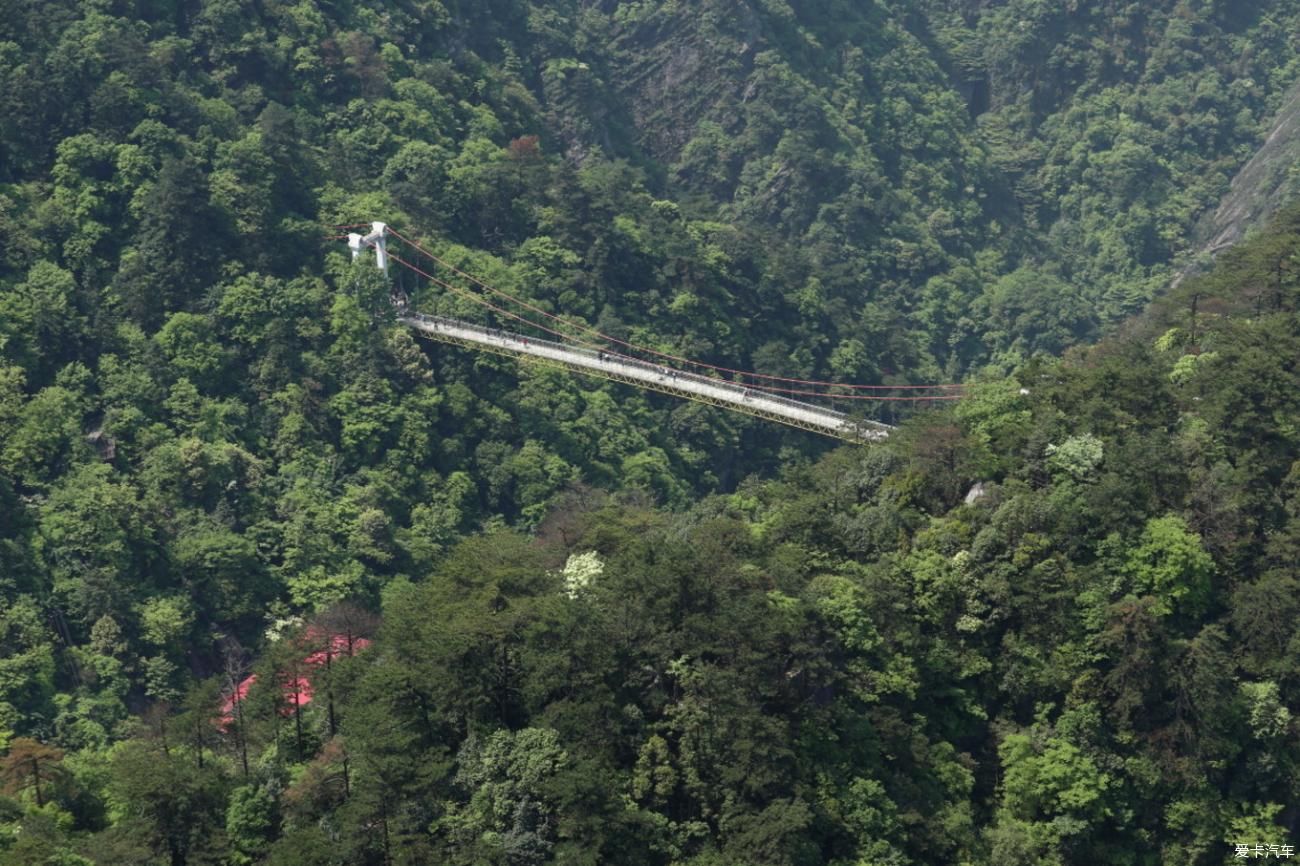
(377, 239)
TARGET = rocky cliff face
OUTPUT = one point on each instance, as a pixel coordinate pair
(1267, 181)
(683, 67)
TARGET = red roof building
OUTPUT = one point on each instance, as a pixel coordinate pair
(296, 692)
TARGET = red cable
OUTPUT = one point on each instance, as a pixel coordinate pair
(762, 388)
(478, 300)
(635, 347)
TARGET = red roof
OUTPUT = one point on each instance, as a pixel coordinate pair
(295, 691)
(339, 645)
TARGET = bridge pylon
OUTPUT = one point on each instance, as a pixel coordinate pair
(377, 238)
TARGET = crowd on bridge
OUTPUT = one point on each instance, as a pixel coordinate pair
(822, 419)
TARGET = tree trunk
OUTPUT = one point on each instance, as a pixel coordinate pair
(198, 740)
(329, 690)
(383, 820)
(36, 777)
(297, 715)
(243, 738)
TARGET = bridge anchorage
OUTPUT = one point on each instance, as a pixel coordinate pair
(601, 356)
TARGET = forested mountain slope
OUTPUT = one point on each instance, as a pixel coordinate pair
(212, 435)
(1093, 662)
(1118, 123)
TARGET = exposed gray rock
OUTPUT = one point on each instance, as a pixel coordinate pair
(1264, 184)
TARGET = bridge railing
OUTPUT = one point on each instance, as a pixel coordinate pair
(667, 374)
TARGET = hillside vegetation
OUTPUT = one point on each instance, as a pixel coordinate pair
(608, 627)
(1094, 661)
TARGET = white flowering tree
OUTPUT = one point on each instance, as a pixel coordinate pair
(580, 570)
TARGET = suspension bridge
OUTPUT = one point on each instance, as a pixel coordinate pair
(602, 356)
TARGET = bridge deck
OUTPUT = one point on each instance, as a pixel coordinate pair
(621, 368)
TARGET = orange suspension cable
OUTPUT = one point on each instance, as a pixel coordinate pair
(645, 349)
(762, 388)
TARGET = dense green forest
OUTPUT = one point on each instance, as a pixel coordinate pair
(279, 584)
